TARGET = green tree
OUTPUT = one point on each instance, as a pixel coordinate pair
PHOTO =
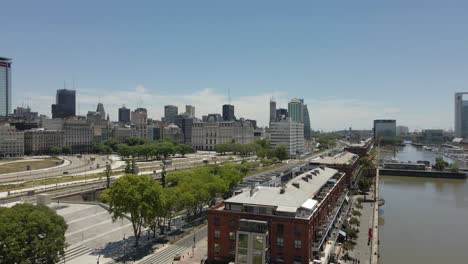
(31, 234)
(166, 148)
(56, 150)
(108, 173)
(136, 196)
(440, 164)
(135, 141)
(281, 152)
(66, 150)
(183, 149)
(354, 221)
(124, 150)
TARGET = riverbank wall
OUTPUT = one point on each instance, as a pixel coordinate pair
(421, 173)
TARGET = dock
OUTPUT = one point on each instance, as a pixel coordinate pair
(423, 173)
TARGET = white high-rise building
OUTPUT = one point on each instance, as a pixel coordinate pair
(5, 86)
(288, 133)
(461, 116)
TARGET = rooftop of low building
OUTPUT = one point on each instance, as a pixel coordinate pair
(297, 194)
(342, 158)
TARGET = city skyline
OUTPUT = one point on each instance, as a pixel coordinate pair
(354, 63)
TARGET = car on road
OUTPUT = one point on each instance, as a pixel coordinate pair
(177, 257)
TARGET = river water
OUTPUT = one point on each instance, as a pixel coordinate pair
(423, 220)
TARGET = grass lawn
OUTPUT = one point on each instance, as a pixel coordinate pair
(35, 165)
(266, 168)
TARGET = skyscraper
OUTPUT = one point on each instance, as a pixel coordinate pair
(124, 115)
(273, 115)
(65, 104)
(461, 116)
(170, 111)
(307, 134)
(228, 113)
(384, 129)
(185, 122)
(5, 86)
(190, 110)
(296, 110)
(281, 114)
(100, 110)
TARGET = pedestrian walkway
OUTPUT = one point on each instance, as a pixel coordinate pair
(362, 249)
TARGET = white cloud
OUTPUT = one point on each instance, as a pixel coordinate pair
(325, 113)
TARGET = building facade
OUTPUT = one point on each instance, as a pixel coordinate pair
(40, 141)
(296, 110)
(402, 130)
(288, 224)
(139, 120)
(190, 111)
(228, 113)
(170, 111)
(100, 110)
(11, 141)
(273, 115)
(433, 136)
(281, 114)
(5, 86)
(78, 135)
(288, 133)
(65, 104)
(206, 135)
(384, 128)
(173, 133)
(124, 115)
(461, 116)
(307, 128)
(185, 122)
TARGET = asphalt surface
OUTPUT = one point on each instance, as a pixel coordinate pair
(76, 165)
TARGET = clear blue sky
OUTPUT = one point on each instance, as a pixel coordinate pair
(352, 61)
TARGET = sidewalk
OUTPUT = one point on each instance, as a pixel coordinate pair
(197, 255)
(362, 249)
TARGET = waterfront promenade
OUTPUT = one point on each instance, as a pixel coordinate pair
(365, 251)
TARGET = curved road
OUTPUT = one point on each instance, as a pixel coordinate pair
(76, 165)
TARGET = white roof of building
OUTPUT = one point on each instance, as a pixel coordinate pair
(340, 158)
(457, 140)
(293, 197)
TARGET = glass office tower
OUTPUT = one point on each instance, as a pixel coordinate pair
(5, 86)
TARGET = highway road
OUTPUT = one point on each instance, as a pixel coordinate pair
(76, 165)
(70, 188)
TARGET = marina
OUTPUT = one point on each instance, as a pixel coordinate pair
(423, 219)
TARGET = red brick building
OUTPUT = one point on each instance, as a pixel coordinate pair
(362, 149)
(286, 224)
(346, 162)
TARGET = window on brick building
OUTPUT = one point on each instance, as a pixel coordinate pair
(217, 248)
(280, 229)
(216, 221)
(297, 244)
(279, 242)
(232, 236)
(297, 231)
(217, 234)
(297, 260)
(232, 223)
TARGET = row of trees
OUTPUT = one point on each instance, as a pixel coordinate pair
(31, 234)
(140, 148)
(148, 203)
(441, 164)
(262, 148)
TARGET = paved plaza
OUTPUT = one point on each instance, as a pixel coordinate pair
(91, 234)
